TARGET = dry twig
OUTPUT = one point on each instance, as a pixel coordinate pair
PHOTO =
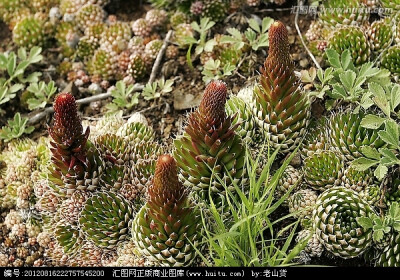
(38, 116)
(160, 55)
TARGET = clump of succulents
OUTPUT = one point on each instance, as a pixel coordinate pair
(117, 35)
(316, 139)
(96, 185)
(76, 163)
(29, 32)
(140, 27)
(323, 170)
(348, 137)
(344, 12)
(22, 163)
(167, 228)
(106, 218)
(314, 247)
(210, 147)
(334, 222)
(391, 59)
(354, 39)
(86, 48)
(282, 108)
(243, 116)
(301, 203)
(380, 34)
(23, 160)
(390, 257)
(103, 63)
(89, 14)
(291, 178)
(215, 10)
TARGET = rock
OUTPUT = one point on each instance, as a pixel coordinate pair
(296, 57)
(304, 63)
(296, 160)
(291, 39)
(184, 100)
(308, 87)
(71, 88)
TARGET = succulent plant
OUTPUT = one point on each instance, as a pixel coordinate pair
(323, 170)
(391, 59)
(136, 67)
(316, 139)
(70, 238)
(182, 31)
(210, 145)
(117, 35)
(143, 167)
(357, 180)
(177, 18)
(282, 109)
(290, 177)
(348, 137)
(103, 63)
(95, 31)
(216, 10)
(115, 151)
(70, 208)
(380, 34)
(354, 39)
(106, 218)
(156, 17)
(372, 194)
(29, 32)
(196, 8)
(167, 228)
(89, 14)
(136, 132)
(314, 32)
(393, 193)
(243, 116)
(9, 8)
(302, 202)
(314, 247)
(390, 257)
(86, 48)
(151, 50)
(392, 4)
(344, 12)
(140, 27)
(70, 6)
(63, 29)
(334, 222)
(76, 163)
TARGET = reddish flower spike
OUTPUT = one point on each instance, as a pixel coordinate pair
(166, 176)
(212, 105)
(278, 45)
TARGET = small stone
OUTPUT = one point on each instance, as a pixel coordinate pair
(295, 57)
(296, 161)
(291, 39)
(184, 100)
(304, 63)
(71, 87)
(308, 87)
(94, 88)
